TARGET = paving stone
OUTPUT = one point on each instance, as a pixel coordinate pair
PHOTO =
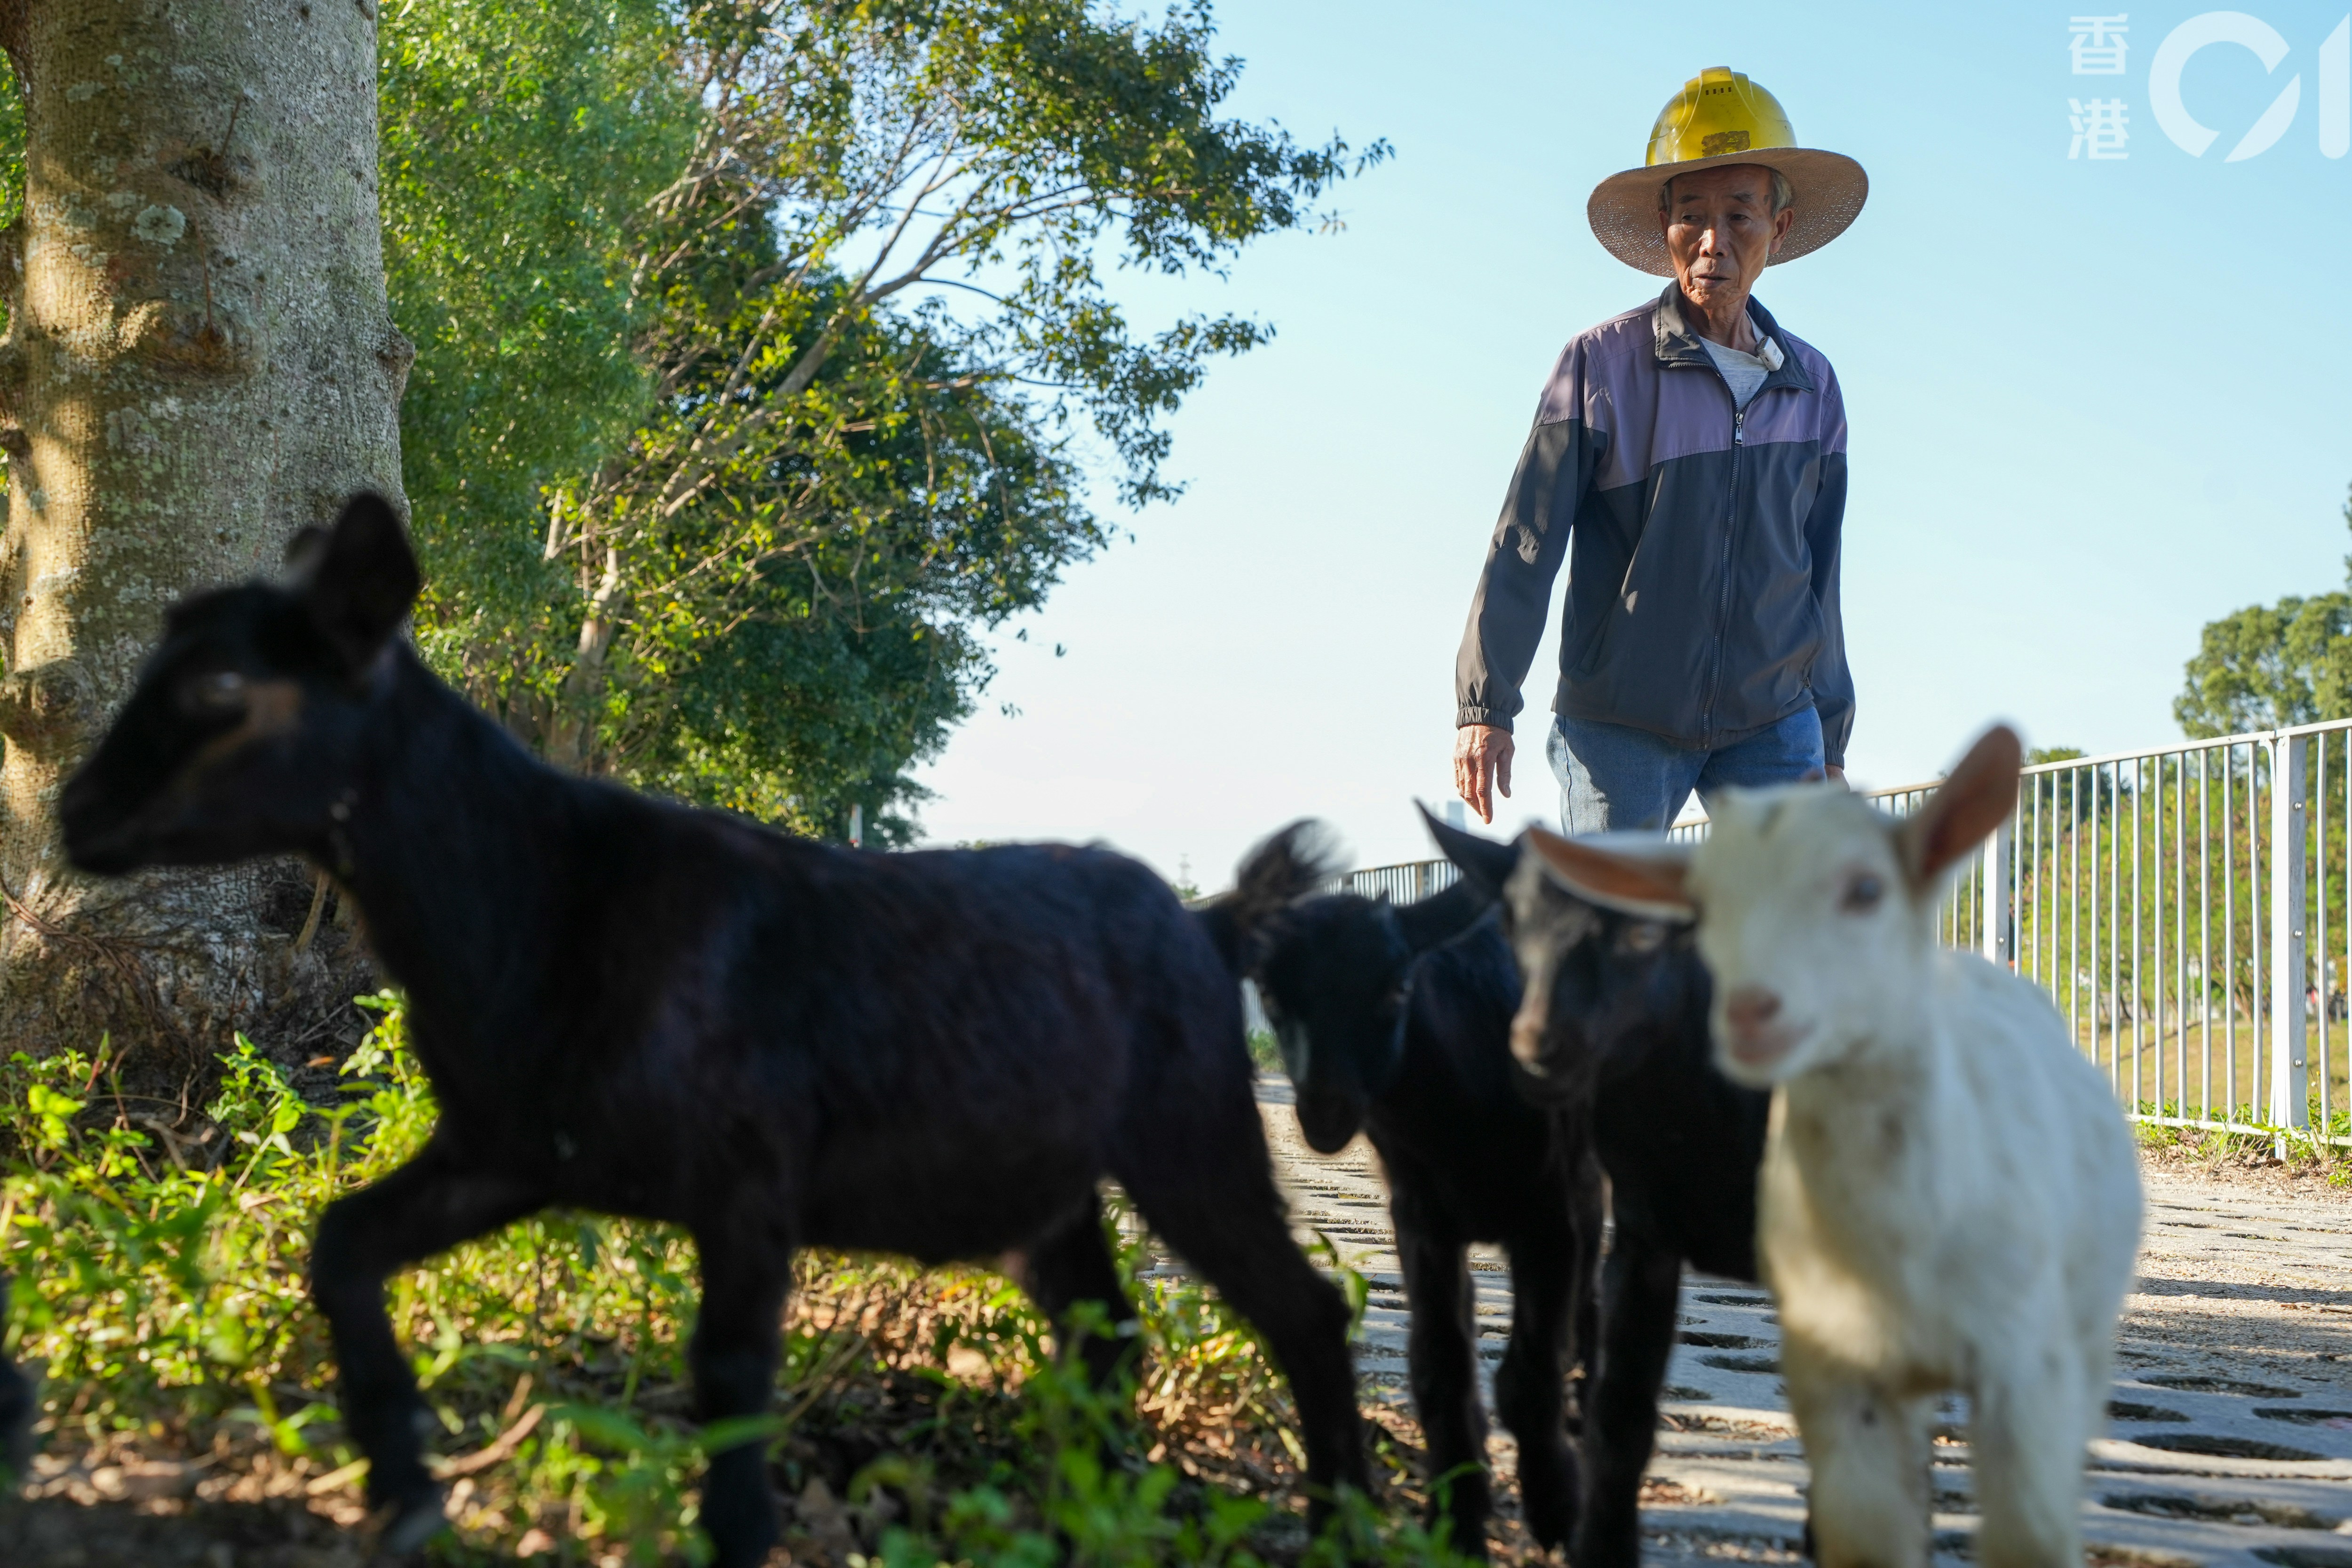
(2229, 1441)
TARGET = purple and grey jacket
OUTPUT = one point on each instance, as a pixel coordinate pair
(1703, 591)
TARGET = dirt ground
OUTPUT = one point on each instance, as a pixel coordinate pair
(2231, 1443)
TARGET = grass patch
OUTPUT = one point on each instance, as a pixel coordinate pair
(921, 1417)
(2216, 1152)
(1265, 1052)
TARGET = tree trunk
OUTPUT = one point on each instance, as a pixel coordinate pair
(571, 732)
(199, 360)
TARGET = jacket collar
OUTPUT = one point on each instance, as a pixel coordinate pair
(1678, 344)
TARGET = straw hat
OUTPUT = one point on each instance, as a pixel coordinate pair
(1721, 117)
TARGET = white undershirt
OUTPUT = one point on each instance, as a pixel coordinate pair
(1744, 374)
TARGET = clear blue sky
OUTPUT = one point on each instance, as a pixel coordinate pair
(2094, 404)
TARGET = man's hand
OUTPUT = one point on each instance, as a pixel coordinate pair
(1482, 766)
(1836, 774)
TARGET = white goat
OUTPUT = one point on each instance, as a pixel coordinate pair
(1950, 1198)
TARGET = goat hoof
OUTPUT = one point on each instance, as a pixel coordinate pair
(1552, 1527)
(1548, 1495)
(413, 1521)
(1590, 1547)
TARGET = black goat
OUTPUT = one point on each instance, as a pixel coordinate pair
(1396, 1018)
(639, 1008)
(1615, 1034)
(16, 1414)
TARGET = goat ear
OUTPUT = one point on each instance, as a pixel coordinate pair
(1635, 874)
(1440, 918)
(1970, 803)
(1483, 864)
(303, 554)
(358, 580)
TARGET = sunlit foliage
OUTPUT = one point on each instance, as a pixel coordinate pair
(766, 355)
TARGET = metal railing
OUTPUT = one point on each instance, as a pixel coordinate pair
(1404, 883)
(2185, 907)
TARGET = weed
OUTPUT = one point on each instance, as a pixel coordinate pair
(2322, 1149)
(1265, 1051)
(921, 1418)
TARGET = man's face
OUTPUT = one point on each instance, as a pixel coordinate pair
(1721, 229)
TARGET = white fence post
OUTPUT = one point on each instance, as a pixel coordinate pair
(1993, 900)
(2289, 813)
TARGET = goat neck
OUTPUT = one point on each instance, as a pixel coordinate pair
(462, 855)
(1856, 1166)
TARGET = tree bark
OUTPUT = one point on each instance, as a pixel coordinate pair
(200, 359)
(571, 736)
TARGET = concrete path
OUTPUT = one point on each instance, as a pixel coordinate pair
(2231, 1442)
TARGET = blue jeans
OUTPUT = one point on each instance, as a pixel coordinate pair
(1615, 776)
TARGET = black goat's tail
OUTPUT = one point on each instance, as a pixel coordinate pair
(1224, 934)
(1301, 858)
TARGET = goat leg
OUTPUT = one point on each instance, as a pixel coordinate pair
(1638, 1286)
(1587, 1208)
(2036, 1407)
(1868, 1450)
(1070, 1264)
(17, 1412)
(1235, 1234)
(428, 1205)
(1530, 1386)
(737, 1339)
(1441, 1359)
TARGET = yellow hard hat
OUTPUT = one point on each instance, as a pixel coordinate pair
(1720, 117)
(1718, 111)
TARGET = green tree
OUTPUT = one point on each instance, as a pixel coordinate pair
(521, 142)
(835, 275)
(766, 351)
(817, 605)
(2270, 666)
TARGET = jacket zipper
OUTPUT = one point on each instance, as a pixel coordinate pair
(1731, 530)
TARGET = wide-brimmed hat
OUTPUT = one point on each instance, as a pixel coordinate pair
(1721, 118)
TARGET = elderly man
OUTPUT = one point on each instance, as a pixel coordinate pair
(1690, 456)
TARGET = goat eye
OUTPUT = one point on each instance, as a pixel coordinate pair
(1862, 893)
(223, 689)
